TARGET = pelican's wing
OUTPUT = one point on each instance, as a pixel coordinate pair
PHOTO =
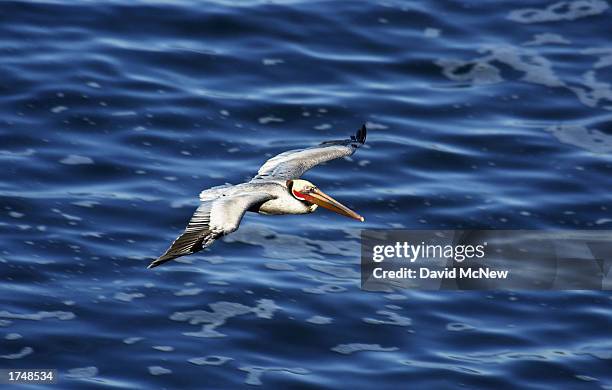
(293, 163)
(211, 220)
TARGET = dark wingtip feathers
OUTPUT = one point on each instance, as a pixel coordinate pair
(361, 134)
(154, 264)
(359, 137)
(160, 261)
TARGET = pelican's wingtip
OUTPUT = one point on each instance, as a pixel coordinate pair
(361, 134)
(154, 264)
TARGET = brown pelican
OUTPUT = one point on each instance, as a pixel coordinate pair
(276, 189)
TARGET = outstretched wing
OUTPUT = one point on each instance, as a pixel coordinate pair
(293, 163)
(211, 220)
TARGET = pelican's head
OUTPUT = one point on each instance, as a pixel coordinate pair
(305, 191)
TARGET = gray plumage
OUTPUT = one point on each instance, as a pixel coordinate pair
(293, 163)
(223, 207)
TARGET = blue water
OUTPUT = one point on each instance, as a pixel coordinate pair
(115, 114)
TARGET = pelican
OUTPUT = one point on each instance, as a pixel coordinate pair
(276, 190)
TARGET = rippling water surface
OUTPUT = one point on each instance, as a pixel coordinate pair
(115, 114)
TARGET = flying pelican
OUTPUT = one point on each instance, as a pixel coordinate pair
(276, 189)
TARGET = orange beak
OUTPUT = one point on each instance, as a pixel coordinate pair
(320, 198)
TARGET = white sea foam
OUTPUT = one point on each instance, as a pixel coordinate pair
(547, 39)
(535, 69)
(163, 348)
(430, 32)
(124, 113)
(272, 61)
(25, 351)
(41, 315)
(592, 140)
(277, 245)
(74, 159)
(269, 119)
(58, 109)
(212, 360)
(254, 373)
(592, 91)
(220, 313)
(376, 126)
(159, 370)
(67, 216)
(347, 349)
(279, 266)
(82, 372)
(563, 10)
(132, 340)
(14, 154)
(319, 320)
(604, 54)
(127, 297)
(393, 319)
(188, 292)
(86, 203)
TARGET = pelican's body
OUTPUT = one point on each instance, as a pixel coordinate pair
(275, 190)
(282, 203)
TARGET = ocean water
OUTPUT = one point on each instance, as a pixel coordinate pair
(115, 114)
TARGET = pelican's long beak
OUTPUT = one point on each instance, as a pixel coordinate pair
(320, 198)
